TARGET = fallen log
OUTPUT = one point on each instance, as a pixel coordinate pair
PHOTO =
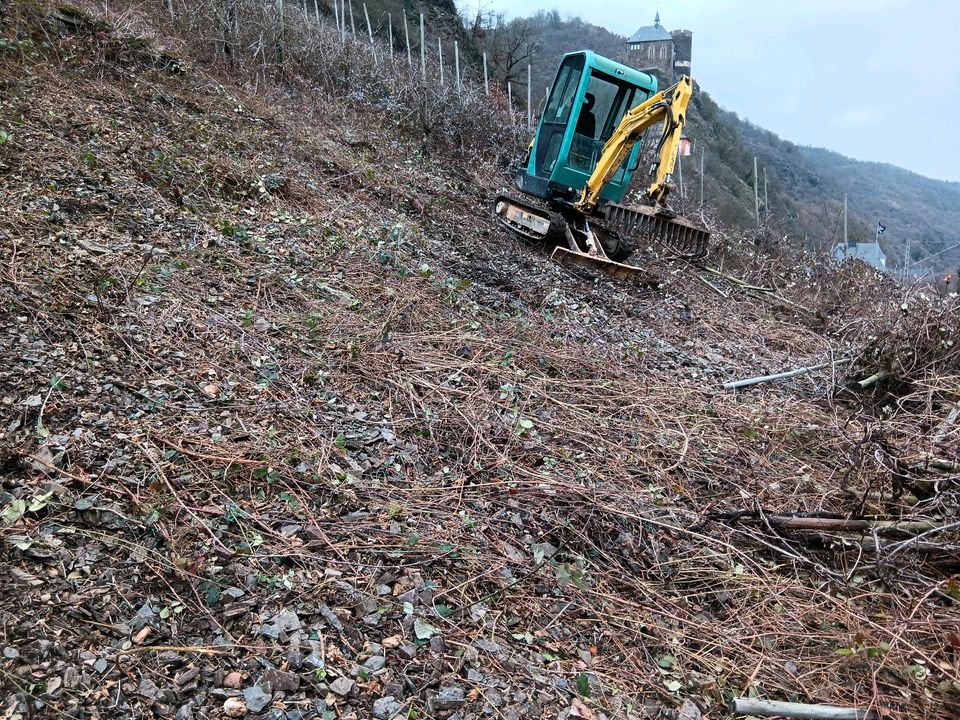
(849, 525)
(801, 711)
(839, 524)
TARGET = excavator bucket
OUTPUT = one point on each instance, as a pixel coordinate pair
(679, 236)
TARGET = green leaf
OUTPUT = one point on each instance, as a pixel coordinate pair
(39, 502)
(413, 539)
(526, 424)
(666, 661)
(341, 441)
(442, 610)
(58, 382)
(424, 630)
(212, 590)
(583, 684)
(846, 651)
(13, 512)
(673, 685)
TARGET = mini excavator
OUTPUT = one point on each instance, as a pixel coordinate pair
(582, 159)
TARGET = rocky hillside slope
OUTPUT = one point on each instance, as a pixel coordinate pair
(290, 429)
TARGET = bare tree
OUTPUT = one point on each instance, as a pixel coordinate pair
(229, 29)
(510, 45)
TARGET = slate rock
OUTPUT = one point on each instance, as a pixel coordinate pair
(449, 698)
(331, 617)
(294, 658)
(314, 659)
(148, 689)
(689, 711)
(487, 646)
(288, 621)
(341, 686)
(375, 663)
(386, 707)
(281, 681)
(256, 699)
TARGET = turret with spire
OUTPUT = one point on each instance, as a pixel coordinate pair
(656, 50)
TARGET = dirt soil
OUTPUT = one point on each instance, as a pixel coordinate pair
(290, 428)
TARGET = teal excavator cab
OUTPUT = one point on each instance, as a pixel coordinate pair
(588, 99)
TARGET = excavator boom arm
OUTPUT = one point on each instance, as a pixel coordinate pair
(669, 106)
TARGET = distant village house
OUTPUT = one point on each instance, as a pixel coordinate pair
(869, 252)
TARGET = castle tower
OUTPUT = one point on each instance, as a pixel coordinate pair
(682, 52)
(655, 50)
(650, 49)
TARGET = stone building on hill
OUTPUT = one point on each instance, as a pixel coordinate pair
(660, 52)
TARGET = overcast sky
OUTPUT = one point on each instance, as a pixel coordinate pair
(872, 79)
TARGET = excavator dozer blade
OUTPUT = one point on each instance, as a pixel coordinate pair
(537, 223)
(570, 258)
(681, 237)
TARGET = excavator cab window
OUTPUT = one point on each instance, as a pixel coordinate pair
(612, 99)
(557, 113)
(589, 97)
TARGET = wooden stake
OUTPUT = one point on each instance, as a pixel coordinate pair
(756, 192)
(423, 51)
(353, 26)
(766, 199)
(846, 246)
(456, 61)
(280, 20)
(529, 109)
(440, 58)
(701, 182)
(390, 33)
(680, 173)
(406, 40)
(486, 82)
(510, 99)
(373, 49)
